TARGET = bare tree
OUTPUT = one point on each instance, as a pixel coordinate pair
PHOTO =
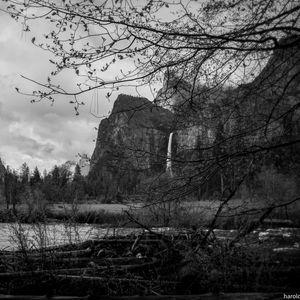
(202, 42)
(228, 66)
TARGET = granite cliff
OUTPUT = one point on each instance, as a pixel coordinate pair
(259, 113)
(133, 141)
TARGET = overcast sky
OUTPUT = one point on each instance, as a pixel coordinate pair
(40, 134)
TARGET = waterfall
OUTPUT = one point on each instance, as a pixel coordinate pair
(169, 156)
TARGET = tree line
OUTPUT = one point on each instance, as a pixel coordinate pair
(216, 46)
(58, 185)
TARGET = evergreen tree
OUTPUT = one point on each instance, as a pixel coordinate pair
(78, 184)
(25, 173)
(45, 174)
(77, 174)
(55, 176)
(65, 175)
(36, 177)
(12, 188)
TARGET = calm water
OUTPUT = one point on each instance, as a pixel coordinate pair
(37, 235)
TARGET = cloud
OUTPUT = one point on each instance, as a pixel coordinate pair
(33, 147)
(39, 134)
(7, 116)
(42, 134)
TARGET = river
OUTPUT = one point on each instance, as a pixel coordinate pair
(15, 235)
(31, 236)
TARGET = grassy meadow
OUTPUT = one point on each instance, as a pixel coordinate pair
(175, 214)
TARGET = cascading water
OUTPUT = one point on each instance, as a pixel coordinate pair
(169, 156)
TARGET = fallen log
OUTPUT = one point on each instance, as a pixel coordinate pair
(13, 275)
(138, 266)
(96, 260)
(116, 279)
(128, 241)
(221, 296)
(233, 296)
(49, 254)
(63, 247)
(69, 271)
(34, 297)
(73, 253)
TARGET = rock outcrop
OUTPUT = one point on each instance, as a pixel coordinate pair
(131, 141)
(84, 164)
(257, 113)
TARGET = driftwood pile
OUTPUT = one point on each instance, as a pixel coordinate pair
(111, 266)
(147, 264)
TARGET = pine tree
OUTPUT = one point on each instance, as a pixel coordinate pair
(36, 177)
(55, 175)
(25, 173)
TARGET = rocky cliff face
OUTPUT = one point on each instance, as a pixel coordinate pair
(259, 112)
(131, 141)
(272, 99)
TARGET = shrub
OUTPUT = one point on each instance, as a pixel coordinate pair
(36, 206)
(274, 187)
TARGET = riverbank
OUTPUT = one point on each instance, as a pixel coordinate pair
(151, 263)
(61, 212)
